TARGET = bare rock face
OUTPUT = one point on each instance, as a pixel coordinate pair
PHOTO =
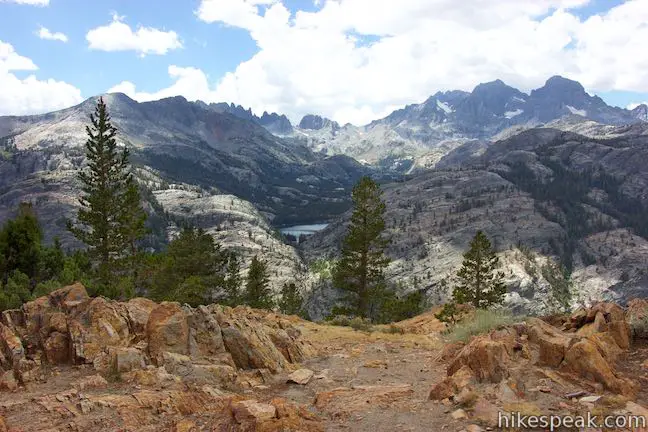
(585, 360)
(167, 330)
(583, 351)
(637, 317)
(203, 345)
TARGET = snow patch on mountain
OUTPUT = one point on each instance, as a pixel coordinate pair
(511, 114)
(573, 110)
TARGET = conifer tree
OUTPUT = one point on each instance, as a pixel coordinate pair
(257, 291)
(20, 244)
(192, 267)
(109, 219)
(291, 302)
(360, 270)
(480, 284)
(233, 281)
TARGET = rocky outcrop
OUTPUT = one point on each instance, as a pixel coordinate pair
(637, 317)
(204, 344)
(583, 352)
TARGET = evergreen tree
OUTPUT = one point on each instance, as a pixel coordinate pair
(257, 292)
(479, 281)
(360, 271)
(108, 219)
(291, 302)
(193, 266)
(133, 219)
(52, 261)
(20, 244)
(233, 281)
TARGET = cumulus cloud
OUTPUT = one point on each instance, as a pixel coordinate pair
(189, 82)
(118, 36)
(44, 33)
(636, 104)
(28, 2)
(356, 60)
(30, 95)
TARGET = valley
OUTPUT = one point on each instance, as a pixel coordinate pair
(553, 177)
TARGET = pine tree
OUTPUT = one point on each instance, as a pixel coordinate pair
(291, 302)
(192, 267)
(133, 220)
(360, 271)
(110, 215)
(257, 292)
(233, 281)
(479, 281)
(20, 244)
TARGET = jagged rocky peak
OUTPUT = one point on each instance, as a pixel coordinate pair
(640, 112)
(275, 123)
(496, 97)
(315, 122)
(558, 88)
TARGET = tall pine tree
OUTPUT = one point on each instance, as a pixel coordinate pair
(110, 218)
(232, 283)
(257, 291)
(480, 284)
(360, 271)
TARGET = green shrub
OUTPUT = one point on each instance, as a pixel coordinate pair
(482, 322)
(361, 324)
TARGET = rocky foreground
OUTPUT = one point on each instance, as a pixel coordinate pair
(69, 362)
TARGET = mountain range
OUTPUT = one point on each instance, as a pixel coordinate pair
(553, 175)
(418, 135)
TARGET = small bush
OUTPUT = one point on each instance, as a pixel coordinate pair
(361, 324)
(482, 322)
(339, 320)
(392, 329)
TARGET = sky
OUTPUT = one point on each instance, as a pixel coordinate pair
(349, 60)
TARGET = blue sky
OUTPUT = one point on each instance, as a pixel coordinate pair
(338, 63)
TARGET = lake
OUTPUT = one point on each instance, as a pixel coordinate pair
(298, 230)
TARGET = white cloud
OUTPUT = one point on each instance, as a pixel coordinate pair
(118, 36)
(189, 82)
(44, 33)
(28, 2)
(635, 105)
(356, 60)
(30, 95)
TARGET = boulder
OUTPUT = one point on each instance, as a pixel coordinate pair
(637, 317)
(452, 384)
(251, 410)
(486, 358)
(167, 330)
(248, 342)
(127, 359)
(300, 376)
(585, 360)
(607, 346)
(552, 343)
(8, 380)
(68, 297)
(94, 326)
(620, 332)
(57, 348)
(11, 345)
(205, 339)
(138, 311)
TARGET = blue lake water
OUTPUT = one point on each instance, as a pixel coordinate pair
(298, 230)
